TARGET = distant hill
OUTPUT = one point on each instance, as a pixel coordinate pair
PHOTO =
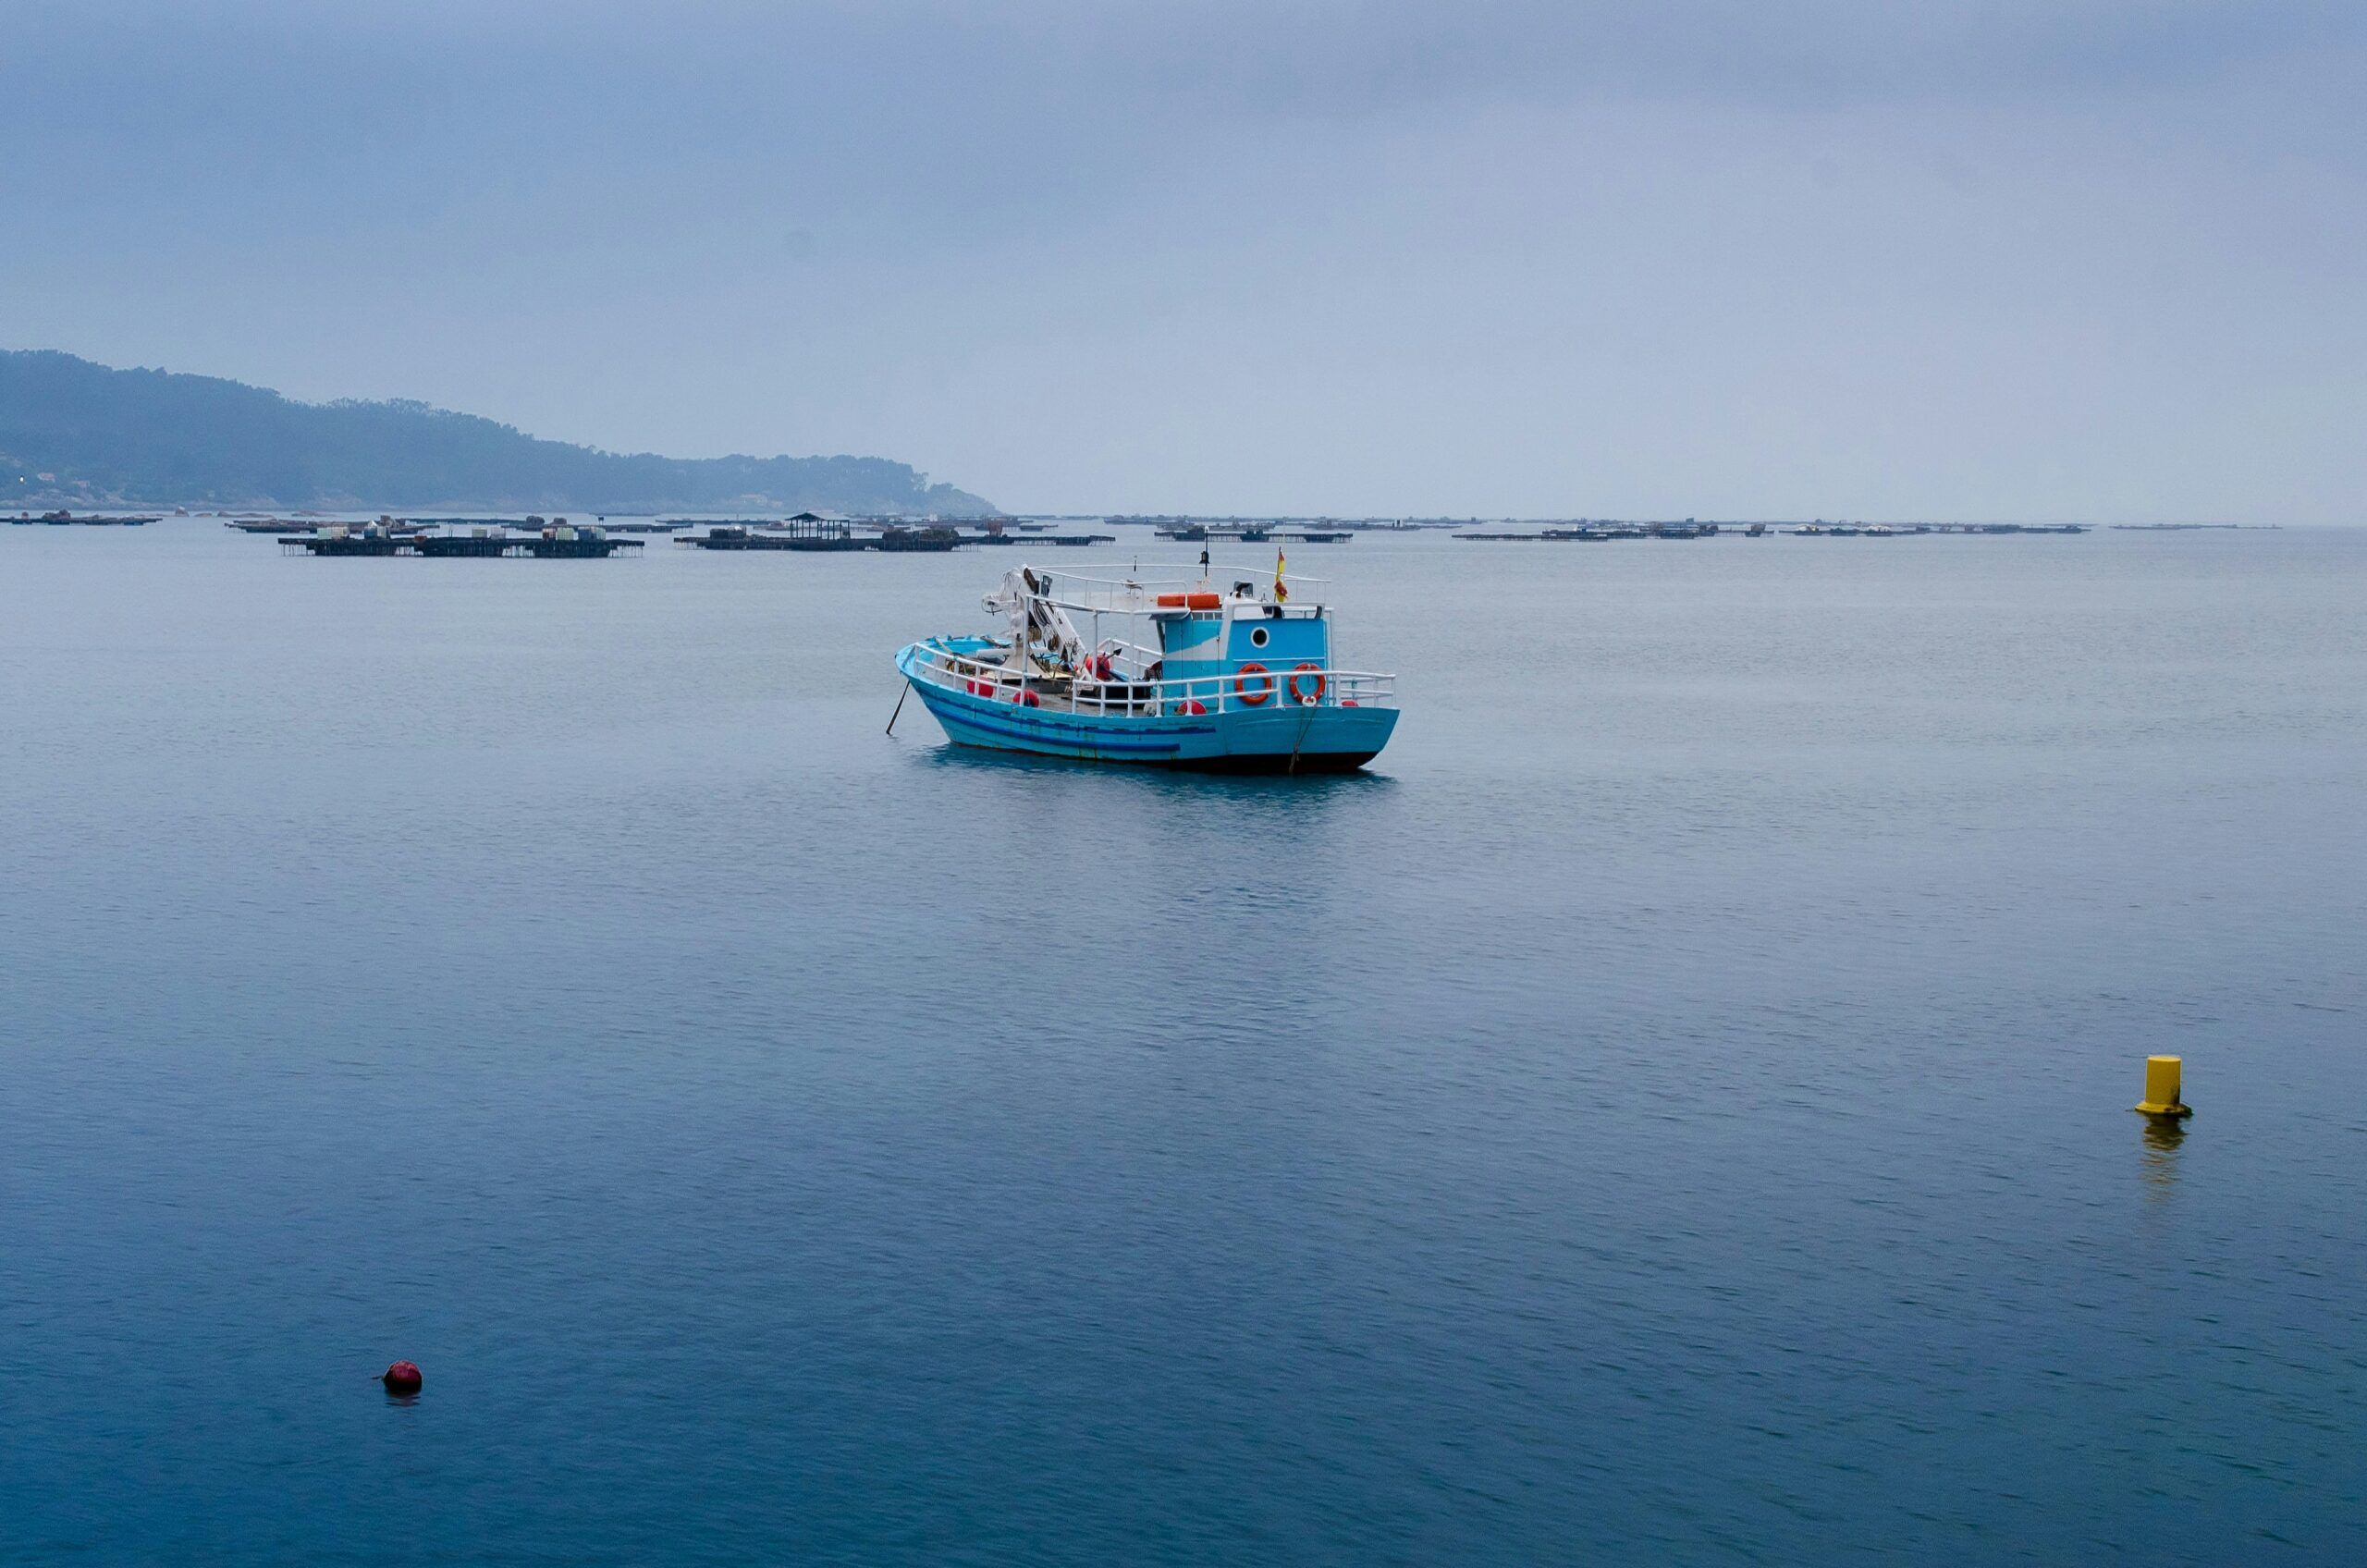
(74, 432)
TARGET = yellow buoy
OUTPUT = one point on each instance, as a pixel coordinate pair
(2162, 1087)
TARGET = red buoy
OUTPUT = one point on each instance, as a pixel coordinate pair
(402, 1377)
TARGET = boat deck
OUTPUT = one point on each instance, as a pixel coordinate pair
(975, 671)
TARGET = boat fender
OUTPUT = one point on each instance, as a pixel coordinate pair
(1301, 673)
(1191, 706)
(1242, 688)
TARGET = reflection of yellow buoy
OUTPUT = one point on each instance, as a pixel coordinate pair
(2162, 1087)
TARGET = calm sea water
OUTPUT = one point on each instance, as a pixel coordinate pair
(1676, 1107)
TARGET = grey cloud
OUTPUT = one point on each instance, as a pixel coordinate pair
(1515, 256)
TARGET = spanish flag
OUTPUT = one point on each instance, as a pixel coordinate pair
(1281, 594)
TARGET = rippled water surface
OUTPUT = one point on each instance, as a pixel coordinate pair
(1674, 1108)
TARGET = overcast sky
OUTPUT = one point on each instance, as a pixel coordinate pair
(1720, 258)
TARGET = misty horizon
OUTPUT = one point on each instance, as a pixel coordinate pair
(55, 493)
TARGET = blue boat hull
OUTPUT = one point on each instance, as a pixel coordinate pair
(1279, 738)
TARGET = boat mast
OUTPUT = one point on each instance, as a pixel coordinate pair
(1026, 625)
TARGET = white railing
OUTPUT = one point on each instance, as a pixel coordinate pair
(1121, 698)
(1139, 595)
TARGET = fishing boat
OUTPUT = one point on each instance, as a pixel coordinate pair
(1221, 675)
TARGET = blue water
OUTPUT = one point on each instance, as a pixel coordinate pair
(1674, 1108)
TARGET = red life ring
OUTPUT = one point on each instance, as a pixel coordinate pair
(1241, 685)
(1301, 673)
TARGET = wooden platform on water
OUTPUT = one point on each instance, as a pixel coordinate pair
(461, 545)
(1599, 533)
(825, 538)
(1250, 533)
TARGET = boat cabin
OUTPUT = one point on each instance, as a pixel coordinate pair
(1220, 634)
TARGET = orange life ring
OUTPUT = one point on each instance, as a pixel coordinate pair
(1302, 672)
(1241, 685)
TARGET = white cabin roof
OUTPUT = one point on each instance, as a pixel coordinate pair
(1140, 595)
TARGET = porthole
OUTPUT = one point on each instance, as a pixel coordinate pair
(1258, 638)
